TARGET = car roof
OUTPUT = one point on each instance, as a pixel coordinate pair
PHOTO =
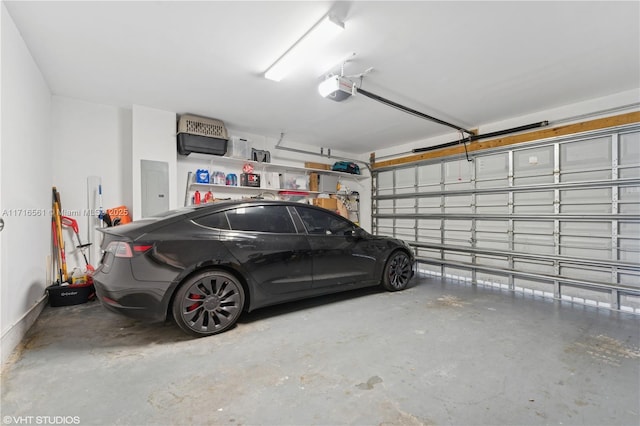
(142, 226)
(227, 204)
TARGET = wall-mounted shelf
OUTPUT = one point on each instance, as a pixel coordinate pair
(241, 188)
(234, 165)
(280, 168)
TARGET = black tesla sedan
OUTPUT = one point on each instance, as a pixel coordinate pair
(207, 264)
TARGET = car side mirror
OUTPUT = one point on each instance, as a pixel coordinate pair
(353, 233)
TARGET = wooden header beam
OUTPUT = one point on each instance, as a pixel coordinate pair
(585, 126)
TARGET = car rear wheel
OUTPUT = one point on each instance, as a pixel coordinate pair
(397, 272)
(208, 303)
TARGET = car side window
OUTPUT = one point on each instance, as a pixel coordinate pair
(320, 223)
(274, 219)
(215, 220)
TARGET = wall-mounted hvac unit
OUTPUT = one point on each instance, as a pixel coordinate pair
(201, 135)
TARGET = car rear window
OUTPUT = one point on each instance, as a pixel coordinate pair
(274, 219)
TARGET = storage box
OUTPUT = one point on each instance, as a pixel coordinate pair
(74, 294)
(270, 180)
(313, 182)
(250, 179)
(327, 183)
(293, 181)
(320, 166)
(239, 148)
(327, 203)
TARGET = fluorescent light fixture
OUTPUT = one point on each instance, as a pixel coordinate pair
(304, 49)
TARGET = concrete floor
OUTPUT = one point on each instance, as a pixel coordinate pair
(438, 353)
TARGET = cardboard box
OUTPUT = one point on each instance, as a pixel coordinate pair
(313, 182)
(326, 203)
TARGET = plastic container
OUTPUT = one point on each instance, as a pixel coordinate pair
(202, 176)
(232, 179)
(75, 294)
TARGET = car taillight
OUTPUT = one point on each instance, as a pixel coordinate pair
(122, 249)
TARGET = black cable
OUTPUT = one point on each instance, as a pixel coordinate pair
(465, 147)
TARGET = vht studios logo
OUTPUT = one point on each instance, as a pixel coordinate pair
(41, 420)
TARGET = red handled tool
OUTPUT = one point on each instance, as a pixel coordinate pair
(69, 221)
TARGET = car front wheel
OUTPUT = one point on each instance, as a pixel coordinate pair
(208, 303)
(397, 272)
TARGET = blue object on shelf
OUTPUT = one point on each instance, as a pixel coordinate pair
(202, 176)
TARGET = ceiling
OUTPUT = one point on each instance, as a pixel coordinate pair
(469, 63)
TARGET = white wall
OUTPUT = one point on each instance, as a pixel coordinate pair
(154, 138)
(25, 181)
(89, 140)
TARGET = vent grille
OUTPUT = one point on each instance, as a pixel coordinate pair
(202, 126)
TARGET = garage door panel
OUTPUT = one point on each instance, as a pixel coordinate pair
(596, 200)
(457, 256)
(576, 175)
(630, 279)
(429, 205)
(629, 148)
(544, 227)
(492, 241)
(405, 205)
(492, 225)
(492, 171)
(629, 198)
(589, 274)
(492, 203)
(601, 229)
(629, 250)
(458, 238)
(540, 244)
(499, 262)
(536, 267)
(533, 166)
(588, 247)
(429, 175)
(586, 160)
(458, 204)
(539, 202)
(384, 183)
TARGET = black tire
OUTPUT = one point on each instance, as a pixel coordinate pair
(397, 271)
(208, 303)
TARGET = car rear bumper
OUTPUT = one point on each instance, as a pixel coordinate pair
(144, 300)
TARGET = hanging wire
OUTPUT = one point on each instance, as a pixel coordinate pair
(464, 143)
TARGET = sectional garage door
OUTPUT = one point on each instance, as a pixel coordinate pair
(554, 218)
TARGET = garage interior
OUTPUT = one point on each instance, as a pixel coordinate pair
(501, 140)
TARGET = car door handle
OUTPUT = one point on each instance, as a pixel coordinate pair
(245, 246)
